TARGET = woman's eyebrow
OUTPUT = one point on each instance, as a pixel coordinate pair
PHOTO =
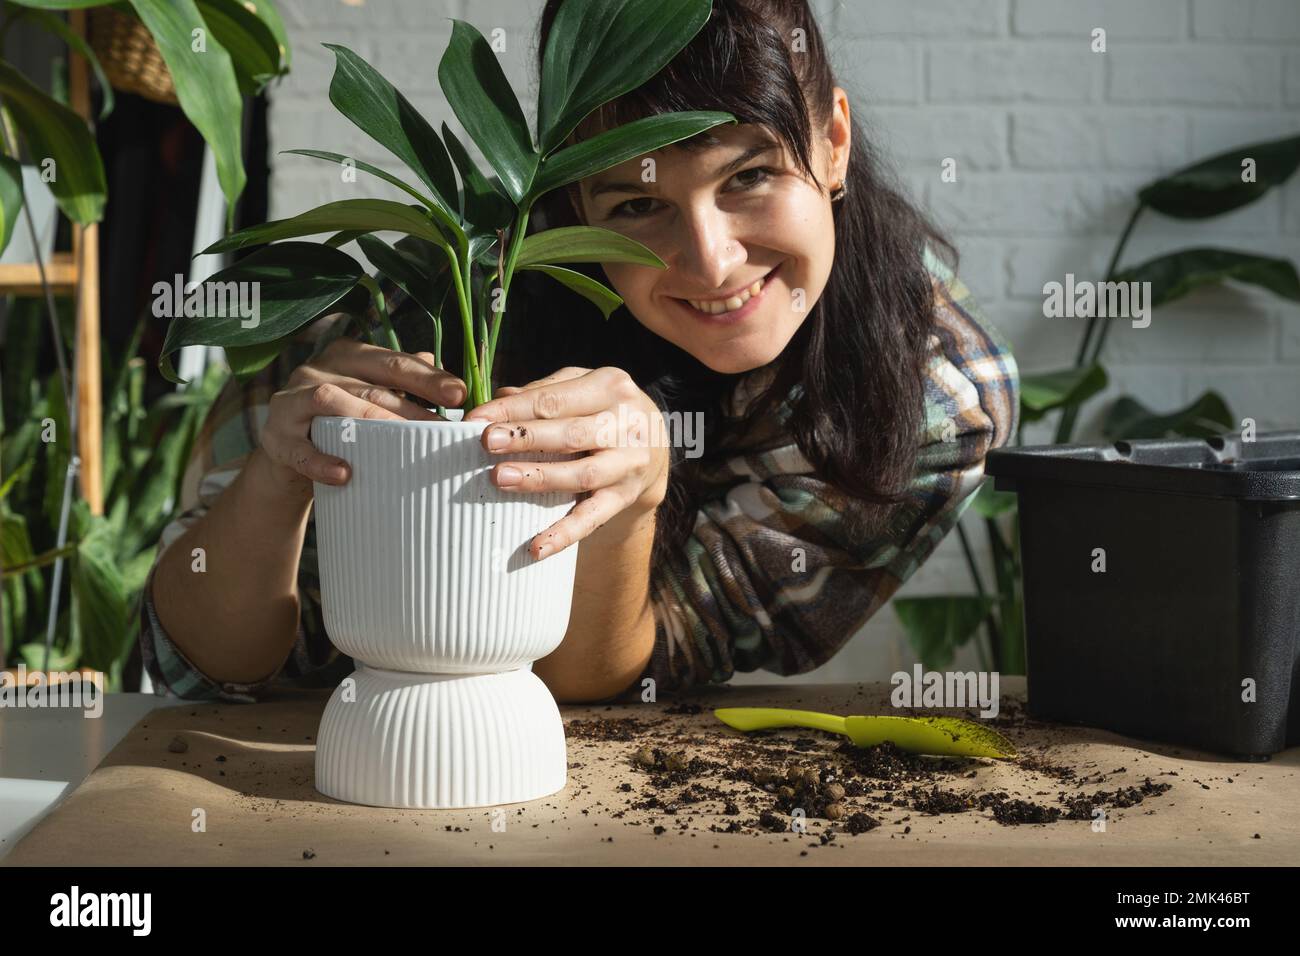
(628, 186)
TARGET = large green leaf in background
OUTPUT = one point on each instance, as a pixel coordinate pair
(53, 131)
(481, 96)
(615, 146)
(1204, 418)
(361, 94)
(598, 51)
(1044, 392)
(937, 626)
(1214, 186)
(244, 29)
(58, 26)
(584, 244)
(11, 198)
(298, 281)
(99, 598)
(1175, 274)
(205, 85)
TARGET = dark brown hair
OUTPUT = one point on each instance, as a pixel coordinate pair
(858, 354)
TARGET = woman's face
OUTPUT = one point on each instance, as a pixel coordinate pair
(748, 239)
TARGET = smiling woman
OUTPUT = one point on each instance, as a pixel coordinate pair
(847, 386)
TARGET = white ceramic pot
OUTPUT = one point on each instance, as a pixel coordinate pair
(427, 583)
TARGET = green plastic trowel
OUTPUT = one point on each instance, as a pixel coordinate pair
(939, 736)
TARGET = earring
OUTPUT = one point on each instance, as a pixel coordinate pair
(838, 192)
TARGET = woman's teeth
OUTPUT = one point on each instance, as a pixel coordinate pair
(719, 306)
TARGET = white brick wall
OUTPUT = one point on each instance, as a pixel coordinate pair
(1051, 141)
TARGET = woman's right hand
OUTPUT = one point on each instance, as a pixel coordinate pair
(354, 380)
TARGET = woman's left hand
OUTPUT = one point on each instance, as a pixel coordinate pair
(599, 411)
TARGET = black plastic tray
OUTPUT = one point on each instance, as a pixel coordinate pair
(1200, 596)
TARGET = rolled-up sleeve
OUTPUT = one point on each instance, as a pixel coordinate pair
(774, 577)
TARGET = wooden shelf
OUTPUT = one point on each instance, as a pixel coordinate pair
(23, 278)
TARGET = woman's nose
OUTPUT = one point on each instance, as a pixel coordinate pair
(709, 252)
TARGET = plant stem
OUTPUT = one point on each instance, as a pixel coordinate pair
(377, 295)
(507, 271)
(990, 623)
(1096, 328)
(460, 276)
(40, 561)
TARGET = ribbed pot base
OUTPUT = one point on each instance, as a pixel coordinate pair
(430, 741)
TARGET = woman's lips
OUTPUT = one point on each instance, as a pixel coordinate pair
(731, 309)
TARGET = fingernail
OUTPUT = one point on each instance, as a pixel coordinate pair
(497, 438)
(506, 475)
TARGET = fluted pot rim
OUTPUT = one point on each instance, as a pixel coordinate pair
(389, 424)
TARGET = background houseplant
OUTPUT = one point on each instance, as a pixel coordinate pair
(243, 46)
(216, 52)
(938, 626)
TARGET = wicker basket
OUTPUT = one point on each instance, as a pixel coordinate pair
(129, 55)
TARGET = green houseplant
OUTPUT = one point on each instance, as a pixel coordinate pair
(463, 242)
(938, 626)
(425, 581)
(216, 50)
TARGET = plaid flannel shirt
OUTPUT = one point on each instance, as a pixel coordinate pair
(734, 597)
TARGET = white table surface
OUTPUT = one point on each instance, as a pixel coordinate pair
(46, 752)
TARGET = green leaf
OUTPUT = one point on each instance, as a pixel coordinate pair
(245, 361)
(53, 131)
(33, 655)
(479, 93)
(15, 545)
(618, 145)
(989, 502)
(14, 477)
(1047, 391)
(255, 51)
(205, 84)
(11, 198)
(596, 52)
(594, 292)
(583, 244)
(1174, 275)
(487, 207)
(434, 207)
(296, 282)
(361, 94)
(1206, 417)
(1214, 186)
(367, 215)
(59, 27)
(937, 626)
(404, 270)
(100, 599)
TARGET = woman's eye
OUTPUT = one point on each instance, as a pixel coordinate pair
(633, 208)
(749, 178)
